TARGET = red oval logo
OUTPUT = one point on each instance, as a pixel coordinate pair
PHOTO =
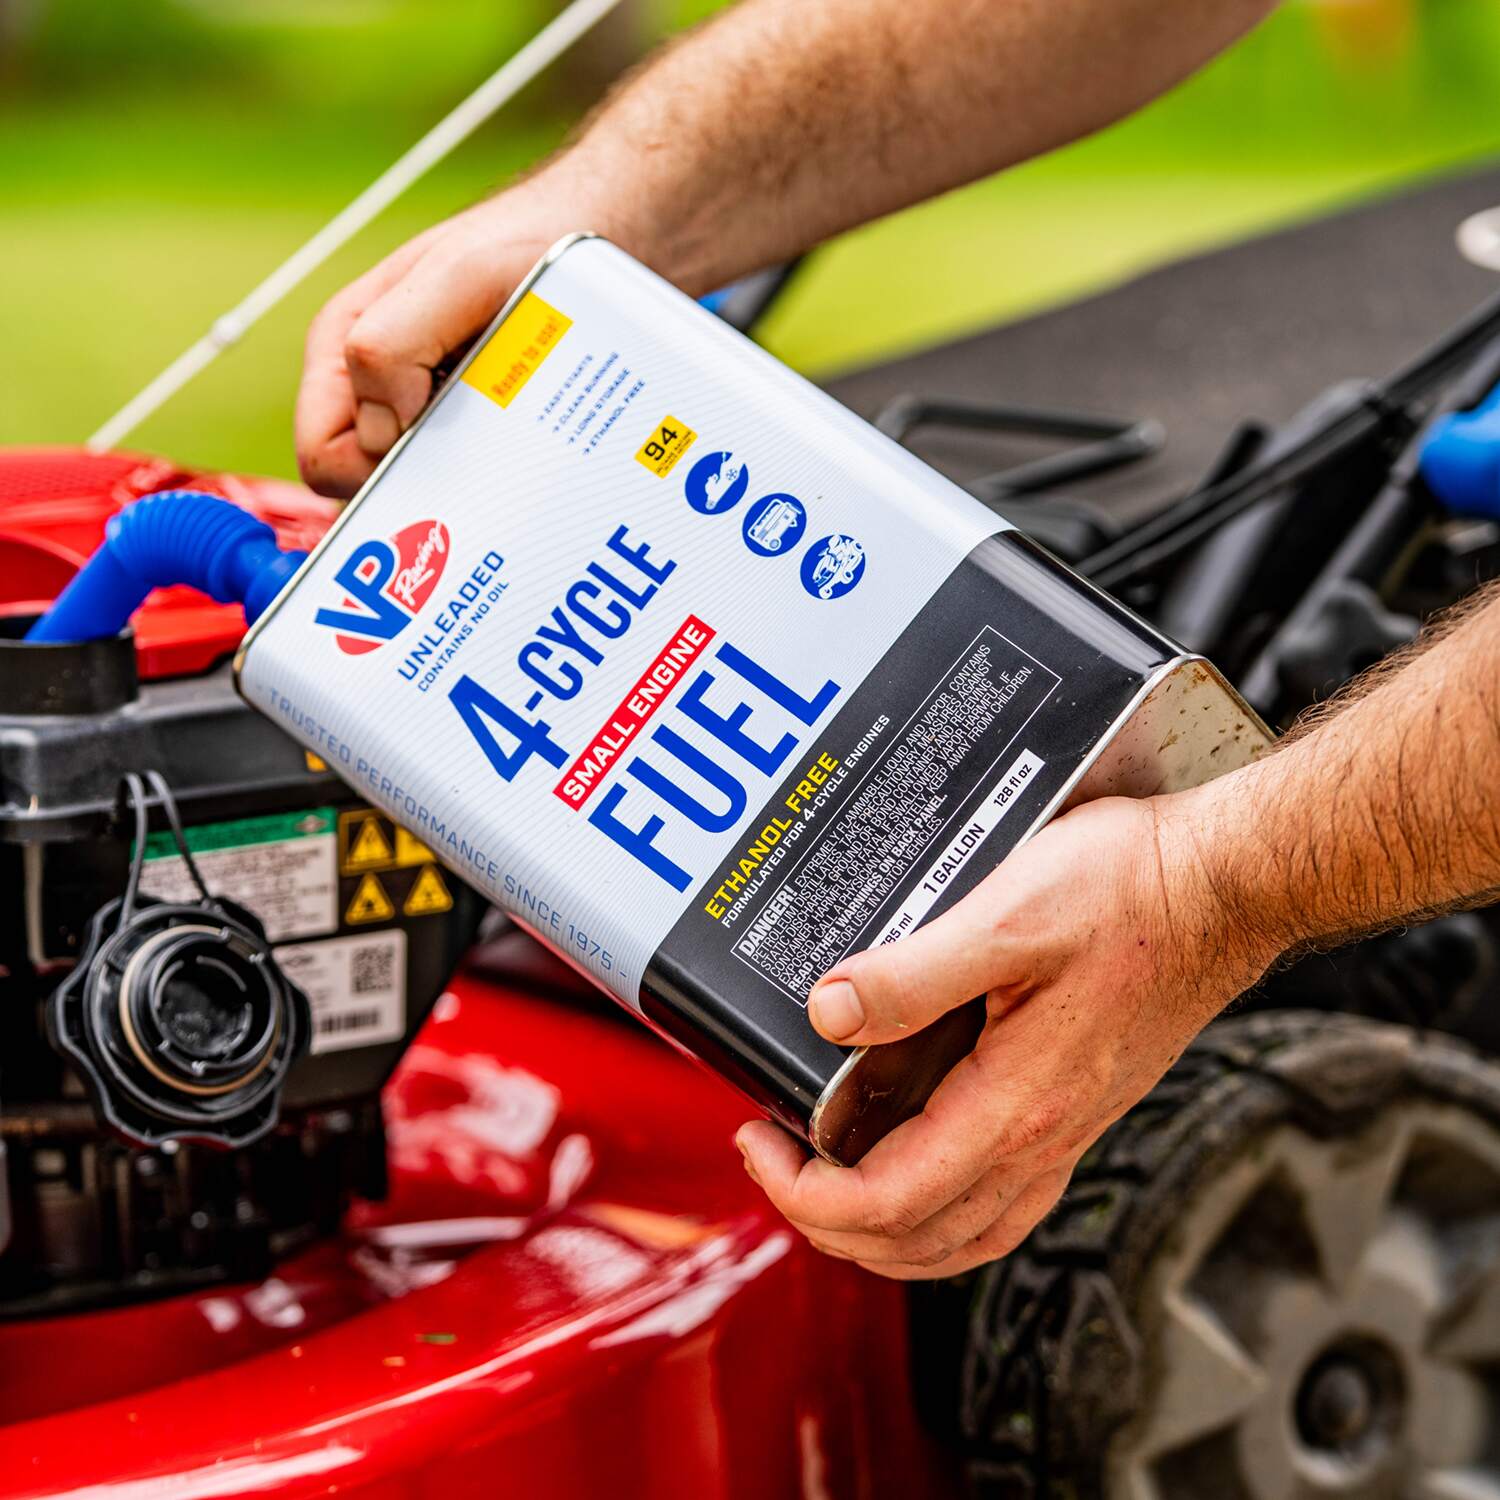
(421, 556)
(386, 583)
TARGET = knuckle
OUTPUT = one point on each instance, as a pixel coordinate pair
(1095, 1078)
(924, 1247)
(1000, 925)
(890, 989)
(892, 1219)
(338, 310)
(928, 1252)
(366, 351)
(323, 329)
(901, 989)
(972, 1083)
(1038, 1124)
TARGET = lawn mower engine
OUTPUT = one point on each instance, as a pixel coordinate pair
(187, 1103)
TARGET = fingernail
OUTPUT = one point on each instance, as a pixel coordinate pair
(376, 428)
(744, 1150)
(836, 1011)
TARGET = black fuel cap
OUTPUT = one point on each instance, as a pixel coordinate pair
(180, 1022)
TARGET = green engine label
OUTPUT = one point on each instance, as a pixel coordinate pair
(283, 866)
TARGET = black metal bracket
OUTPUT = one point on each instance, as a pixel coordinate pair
(1101, 443)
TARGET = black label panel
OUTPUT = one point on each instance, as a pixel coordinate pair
(935, 768)
(868, 830)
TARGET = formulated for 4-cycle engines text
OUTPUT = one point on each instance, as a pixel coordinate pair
(707, 683)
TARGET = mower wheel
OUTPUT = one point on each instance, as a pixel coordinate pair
(1278, 1278)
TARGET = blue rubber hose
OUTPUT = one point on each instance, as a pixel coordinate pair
(178, 536)
(1461, 460)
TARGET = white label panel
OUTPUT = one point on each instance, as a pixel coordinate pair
(616, 583)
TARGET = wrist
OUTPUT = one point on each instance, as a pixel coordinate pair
(602, 187)
(1223, 880)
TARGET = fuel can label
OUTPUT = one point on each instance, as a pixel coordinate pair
(699, 677)
(574, 645)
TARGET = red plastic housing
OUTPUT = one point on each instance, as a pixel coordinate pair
(54, 504)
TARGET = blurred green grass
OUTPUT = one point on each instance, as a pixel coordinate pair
(159, 157)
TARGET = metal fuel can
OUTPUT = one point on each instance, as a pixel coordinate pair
(707, 683)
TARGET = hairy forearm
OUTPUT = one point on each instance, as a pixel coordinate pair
(786, 121)
(1383, 808)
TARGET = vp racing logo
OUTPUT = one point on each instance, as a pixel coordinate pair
(385, 584)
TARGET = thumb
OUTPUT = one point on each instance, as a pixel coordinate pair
(889, 992)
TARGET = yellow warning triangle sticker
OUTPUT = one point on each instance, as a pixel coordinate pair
(428, 895)
(370, 903)
(369, 848)
(410, 851)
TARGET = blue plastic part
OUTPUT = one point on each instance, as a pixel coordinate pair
(178, 536)
(1461, 460)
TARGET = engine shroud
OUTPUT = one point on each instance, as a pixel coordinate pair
(357, 915)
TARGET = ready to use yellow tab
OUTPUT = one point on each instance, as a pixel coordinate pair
(516, 350)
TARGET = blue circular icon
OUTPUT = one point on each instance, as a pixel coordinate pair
(832, 566)
(774, 524)
(718, 481)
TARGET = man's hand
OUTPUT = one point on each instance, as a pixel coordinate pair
(371, 351)
(1110, 939)
(1103, 950)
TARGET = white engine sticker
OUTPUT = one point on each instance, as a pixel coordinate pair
(356, 986)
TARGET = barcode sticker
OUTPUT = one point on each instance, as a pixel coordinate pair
(356, 986)
(372, 969)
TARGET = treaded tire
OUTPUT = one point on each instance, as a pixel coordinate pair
(1059, 1358)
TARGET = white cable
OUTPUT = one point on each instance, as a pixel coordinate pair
(542, 50)
(1479, 239)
